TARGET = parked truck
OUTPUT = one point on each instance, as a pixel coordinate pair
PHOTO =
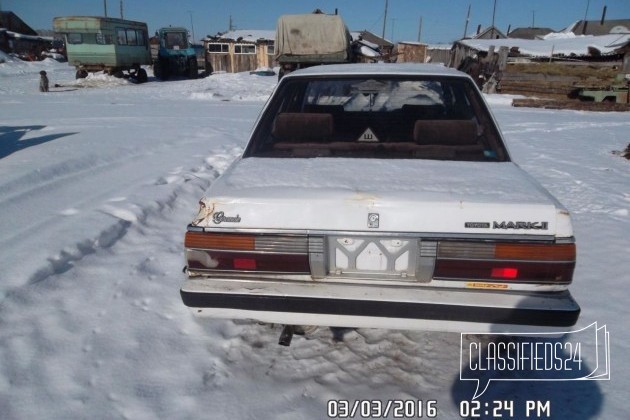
(176, 55)
(310, 39)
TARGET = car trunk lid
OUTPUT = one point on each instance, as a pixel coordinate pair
(337, 194)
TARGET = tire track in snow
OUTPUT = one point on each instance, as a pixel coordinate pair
(193, 181)
(107, 335)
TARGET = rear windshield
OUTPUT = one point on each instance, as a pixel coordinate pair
(377, 117)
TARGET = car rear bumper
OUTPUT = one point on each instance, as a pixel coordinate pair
(351, 305)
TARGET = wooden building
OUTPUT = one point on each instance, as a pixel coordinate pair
(19, 38)
(239, 51)
(491, 32)
(411, 52)
(439, 53)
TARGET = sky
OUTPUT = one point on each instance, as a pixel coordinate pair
(436, 21)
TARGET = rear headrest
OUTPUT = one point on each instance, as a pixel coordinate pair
(323, 109)
(445, 132)
(302, 127)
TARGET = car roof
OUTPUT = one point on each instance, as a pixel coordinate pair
(386, 69)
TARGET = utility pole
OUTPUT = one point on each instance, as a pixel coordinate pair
(121, 9)
(420, 29)
(393, 25)
(192, 27)
(494, 11)
(105, 7)
(588, 2)
(384, 20)
(467, 20)
(533, 18)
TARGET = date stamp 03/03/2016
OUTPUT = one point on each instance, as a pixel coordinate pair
(403, 409)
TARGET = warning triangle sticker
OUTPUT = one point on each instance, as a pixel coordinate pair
(368, 136)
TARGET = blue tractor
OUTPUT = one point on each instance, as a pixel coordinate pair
(176, 55)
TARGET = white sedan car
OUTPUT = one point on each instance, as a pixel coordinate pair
(381, 196)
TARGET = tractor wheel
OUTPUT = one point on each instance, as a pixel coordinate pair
(165, 69)
(160, 69)
(81, 74)
(193, 70)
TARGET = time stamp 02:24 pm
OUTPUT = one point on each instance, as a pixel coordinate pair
(405, 409)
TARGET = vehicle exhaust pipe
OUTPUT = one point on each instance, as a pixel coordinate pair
(286, 335)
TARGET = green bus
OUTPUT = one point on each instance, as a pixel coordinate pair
(105, 44)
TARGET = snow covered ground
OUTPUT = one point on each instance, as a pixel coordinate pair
(98, 180)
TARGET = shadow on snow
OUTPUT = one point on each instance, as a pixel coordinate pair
(11, 138)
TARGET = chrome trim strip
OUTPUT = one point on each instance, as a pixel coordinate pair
(423, 235)
(282, 244)
(317, 256)
(426, 261)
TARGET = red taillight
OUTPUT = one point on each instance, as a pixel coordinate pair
(218, 252)
(202, 240)
(244, 263)
(524, 263)
(504, 273)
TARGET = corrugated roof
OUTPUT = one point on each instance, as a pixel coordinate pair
(595, 27)
(567, 45)
(246, 35)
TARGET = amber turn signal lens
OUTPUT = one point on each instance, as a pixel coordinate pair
(535, 252)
